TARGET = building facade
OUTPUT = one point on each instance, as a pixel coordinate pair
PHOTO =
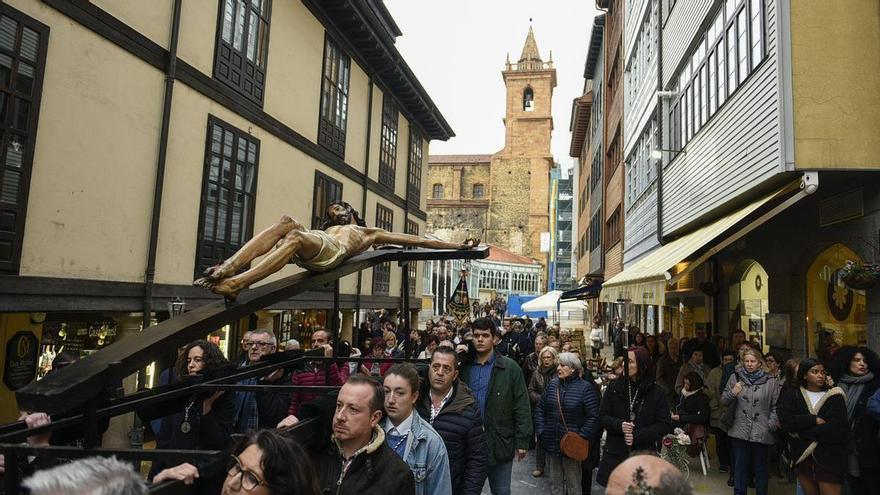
(612, 141)
(562, 225)
(766, 190)
(149, 140)
(503, 197)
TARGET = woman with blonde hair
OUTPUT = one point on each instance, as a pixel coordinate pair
(753, 394)
(548, 361)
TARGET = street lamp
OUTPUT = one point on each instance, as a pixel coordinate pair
(176, 307)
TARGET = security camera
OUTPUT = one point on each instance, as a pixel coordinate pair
(810, 182)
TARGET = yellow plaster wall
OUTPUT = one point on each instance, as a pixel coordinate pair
(152, 18)
(293, 78)
(94, 164)
(375, 134)
(356, 127)
(198, 34)
(836, 83)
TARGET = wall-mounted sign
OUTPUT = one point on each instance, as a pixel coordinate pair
(21, 360)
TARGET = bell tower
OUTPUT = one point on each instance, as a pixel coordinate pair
(528, 119)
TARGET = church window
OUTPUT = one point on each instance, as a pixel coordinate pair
(528, 100)
(437, 192)
(478, 191)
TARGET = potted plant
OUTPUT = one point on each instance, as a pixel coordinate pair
(860, 276)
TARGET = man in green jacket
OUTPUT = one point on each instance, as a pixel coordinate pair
(500, 391)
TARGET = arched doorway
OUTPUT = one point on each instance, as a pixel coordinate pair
(836, 314)
(751, 302)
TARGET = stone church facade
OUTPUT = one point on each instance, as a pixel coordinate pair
(503, 197)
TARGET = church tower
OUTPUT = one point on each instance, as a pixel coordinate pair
(520, 173)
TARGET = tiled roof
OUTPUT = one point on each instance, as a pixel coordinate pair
(459, 158)
(502, 255)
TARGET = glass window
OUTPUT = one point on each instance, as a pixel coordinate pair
(242, 46)
(414, 169)
(382, 272)
(437, 192)
(228, 194)
(478, 191)
(388, 145)
(327, 190)
(742, 45)
(757, 27)
(334, 98)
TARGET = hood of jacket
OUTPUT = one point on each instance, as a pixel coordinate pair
(372, 446)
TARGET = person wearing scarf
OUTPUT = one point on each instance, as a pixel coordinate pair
(813, 416)
(693, 364)
(753, 394)
(856, 370)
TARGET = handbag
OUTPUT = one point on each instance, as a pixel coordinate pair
(571, 444)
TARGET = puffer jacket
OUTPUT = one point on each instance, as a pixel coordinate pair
(580, 406)
(651, 410)
(374, 470)
(755, 418)
(313, 375)
(461, 427)
(798, 419)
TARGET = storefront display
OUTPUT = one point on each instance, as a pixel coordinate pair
(836, 314)
(299, 325)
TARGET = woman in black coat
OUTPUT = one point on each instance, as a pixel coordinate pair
(814, 418)
(856, 370)
(693, 404)
(634, 421)
(205, 421)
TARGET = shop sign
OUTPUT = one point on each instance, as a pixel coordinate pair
(21, 360)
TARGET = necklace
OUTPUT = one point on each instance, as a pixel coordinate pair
(186, 427)
(632, 403)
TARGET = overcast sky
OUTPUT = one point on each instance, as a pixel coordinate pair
(457, 49)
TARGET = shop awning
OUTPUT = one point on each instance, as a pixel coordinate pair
(589, 291)
(646, 281)
(550, 302)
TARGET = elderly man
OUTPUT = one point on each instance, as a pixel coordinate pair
(90, 475)
(262, 342)
(342, 236)
(449, 406)
(359, 460)
(647, 475)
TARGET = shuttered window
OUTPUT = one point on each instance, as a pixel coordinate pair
(229, 188)
(382, 272)
(242, 46)
(23, 45)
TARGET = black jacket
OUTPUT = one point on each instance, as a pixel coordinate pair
(799, 424)
(864, 428)
(272, 406)
(377, 470)
(651, 410)
(693, 409)
(461, 427)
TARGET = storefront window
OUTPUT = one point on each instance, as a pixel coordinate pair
(754, 303)
(299, 325)
(836, 314)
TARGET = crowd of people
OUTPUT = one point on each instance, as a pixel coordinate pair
(487, 391)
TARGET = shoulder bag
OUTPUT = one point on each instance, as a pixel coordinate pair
(572, 445)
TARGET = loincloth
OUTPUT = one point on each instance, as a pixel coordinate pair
(331, 254)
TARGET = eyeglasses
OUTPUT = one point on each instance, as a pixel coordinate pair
(261, 345)
(246, 479)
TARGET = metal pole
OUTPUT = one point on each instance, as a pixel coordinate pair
(405, 320)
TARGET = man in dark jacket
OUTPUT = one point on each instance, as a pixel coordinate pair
(500, 391)
(451, 409)
(358, 460)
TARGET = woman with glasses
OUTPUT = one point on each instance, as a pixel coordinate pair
(547, 364)
(264, 463)
(202, 421)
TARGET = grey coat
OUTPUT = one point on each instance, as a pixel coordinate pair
(755, 418)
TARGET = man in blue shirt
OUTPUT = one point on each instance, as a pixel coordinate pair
(500, 391)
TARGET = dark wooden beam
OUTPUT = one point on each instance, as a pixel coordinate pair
(91, 376)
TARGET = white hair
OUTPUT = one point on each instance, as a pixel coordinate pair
(291, 345)
(89, 476)
(571, 360)
(265, 331)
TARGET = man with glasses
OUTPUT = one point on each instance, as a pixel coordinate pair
(500, 392)
(450, 407)
(261, 343)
